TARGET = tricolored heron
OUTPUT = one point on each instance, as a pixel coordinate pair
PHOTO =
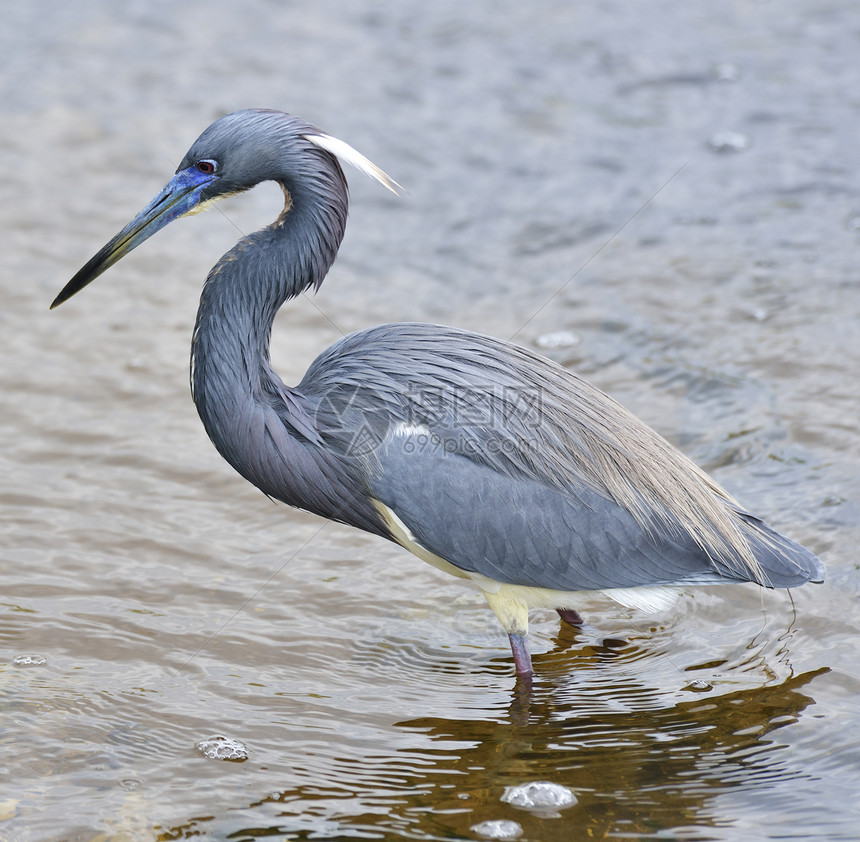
(481, 457)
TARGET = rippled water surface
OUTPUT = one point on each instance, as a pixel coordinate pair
(663, 196)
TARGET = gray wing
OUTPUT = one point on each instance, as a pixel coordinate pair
(520, 531)
(505, 464)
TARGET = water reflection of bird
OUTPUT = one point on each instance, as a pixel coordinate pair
(479, 456)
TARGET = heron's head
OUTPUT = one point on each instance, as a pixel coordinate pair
(235, 153)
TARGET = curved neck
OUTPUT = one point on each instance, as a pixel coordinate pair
(243, 292)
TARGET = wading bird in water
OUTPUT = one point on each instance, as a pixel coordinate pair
(482, 458)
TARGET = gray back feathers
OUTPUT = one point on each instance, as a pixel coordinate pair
(529, 424)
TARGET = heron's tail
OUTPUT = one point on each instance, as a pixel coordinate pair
(783, 563)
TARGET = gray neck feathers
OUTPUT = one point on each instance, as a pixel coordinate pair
(246, 288)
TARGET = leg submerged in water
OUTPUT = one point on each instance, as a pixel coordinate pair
(513, 614)
(522, 656)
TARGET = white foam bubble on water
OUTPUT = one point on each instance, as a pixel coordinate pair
(219, 747)
(498, 829)
(557, 339)
(539, 795)
(29, 660)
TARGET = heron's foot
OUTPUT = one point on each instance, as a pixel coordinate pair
(522, 656)
(569, 616)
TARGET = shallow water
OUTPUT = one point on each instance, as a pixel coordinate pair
(673, 188)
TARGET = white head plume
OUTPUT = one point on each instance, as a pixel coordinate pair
(346, 153)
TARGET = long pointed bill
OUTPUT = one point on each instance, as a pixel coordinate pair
(181, 196)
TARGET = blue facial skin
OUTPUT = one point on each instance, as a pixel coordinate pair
(183, 194)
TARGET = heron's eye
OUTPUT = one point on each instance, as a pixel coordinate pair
(206, 167)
